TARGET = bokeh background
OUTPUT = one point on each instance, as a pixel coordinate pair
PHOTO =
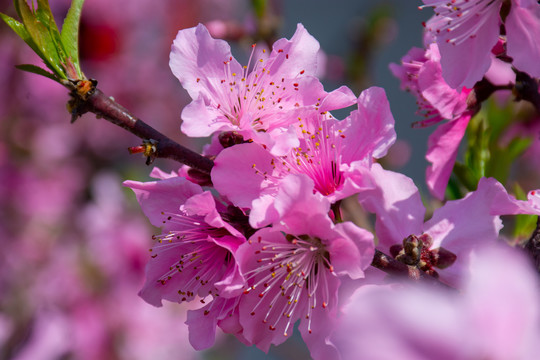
(73, 241)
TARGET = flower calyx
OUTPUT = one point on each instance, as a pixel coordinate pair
(416, 252)
(230, 138)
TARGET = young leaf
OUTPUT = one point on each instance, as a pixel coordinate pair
(503, 157)
(259, 6)
(524, 224)
(21, 31)
(41, 34)
(58, 45)
(478, 154)
(453, 190)
(499, 117)
(44, 14)
(70, 34)
(466, 176)
(37, 70)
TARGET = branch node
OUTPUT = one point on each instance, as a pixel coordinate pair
(84, 88)
(81, 90)
(85, 97)
(526, 88)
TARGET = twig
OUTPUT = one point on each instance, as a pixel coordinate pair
(527, 89)
(95, 101)
(396, 268)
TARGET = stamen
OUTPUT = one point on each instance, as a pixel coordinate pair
(202, 262)
(319, 154)
(458, 21)
(292, 274)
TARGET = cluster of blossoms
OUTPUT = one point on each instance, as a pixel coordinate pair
(64, 290)
(471, 49)
(262, 243)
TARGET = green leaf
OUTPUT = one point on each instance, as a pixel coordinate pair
(21, 31)
(504, 157)
(453, 190)
(503, 151)
(70, 34)
(38, 29)
(499, 117)
(466, 176)
(37, 70)
(524, 224)
(57, 41)
(45, 16)
(42, 34)
(259, 6)
(478, 152)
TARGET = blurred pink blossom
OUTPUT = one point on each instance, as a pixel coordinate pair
(496, 316)
(420, 73)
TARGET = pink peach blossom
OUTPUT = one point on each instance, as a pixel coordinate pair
(194, 255)
(400, 213)
(421, 74)
(330, 153)
(466, 31)
(293, 270)
(252, 100)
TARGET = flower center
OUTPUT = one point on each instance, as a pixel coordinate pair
(318, 156)
(187, 249)
(251, 97)
(290, 280)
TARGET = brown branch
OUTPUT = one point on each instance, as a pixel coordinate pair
(526, 88)
(95, 101)
(396, 268)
